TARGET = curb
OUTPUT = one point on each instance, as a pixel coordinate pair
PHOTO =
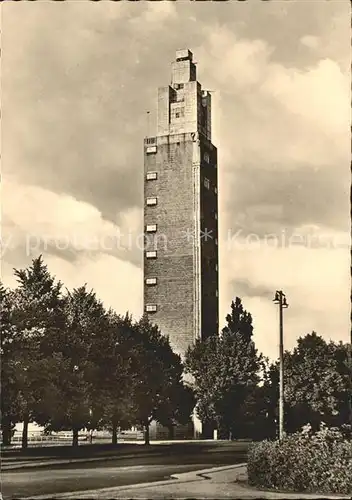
(201, 473)
(181, 478)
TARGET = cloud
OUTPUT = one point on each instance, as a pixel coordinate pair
(316, 283)
(279, 114)
(40, 221)
(318, 95)
(282, 133)
(310, 41)
(78, 245)
(116, 282)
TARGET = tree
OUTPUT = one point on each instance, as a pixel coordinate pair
(112, 406)
(35, 313)
(226, 370)
(177, 407)
(9, 408)
(79, 348)
(316, 384)
(239, 321)
(156, 371)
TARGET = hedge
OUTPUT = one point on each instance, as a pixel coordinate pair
(318, 462)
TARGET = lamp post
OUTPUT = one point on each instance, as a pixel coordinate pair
(280, 299)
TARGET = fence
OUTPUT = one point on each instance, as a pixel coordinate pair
(40, 439)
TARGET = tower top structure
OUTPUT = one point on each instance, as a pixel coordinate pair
(182, 106)
(183, 68)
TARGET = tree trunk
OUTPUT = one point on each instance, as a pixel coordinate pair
(75, 437)
(171, 432)
(6, 431)
(146, 433)
(114, 433)
(25, 433)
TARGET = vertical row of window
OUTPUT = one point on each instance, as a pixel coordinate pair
(151, 228)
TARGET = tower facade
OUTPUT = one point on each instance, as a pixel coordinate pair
(181, 211)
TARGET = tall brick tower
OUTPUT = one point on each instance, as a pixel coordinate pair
(181, 211)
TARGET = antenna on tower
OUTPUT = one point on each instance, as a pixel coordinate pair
(148, 123)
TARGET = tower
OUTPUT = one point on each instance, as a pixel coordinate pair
(181, 211)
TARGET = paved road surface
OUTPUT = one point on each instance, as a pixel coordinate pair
(121, 470)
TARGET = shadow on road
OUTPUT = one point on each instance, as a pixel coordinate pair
(106, 450)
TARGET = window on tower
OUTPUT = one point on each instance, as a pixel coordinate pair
(151, 228)
(177, 111)
(150, 308)
(151, 176)
(150, 281)
(151, 254)
(152, 201)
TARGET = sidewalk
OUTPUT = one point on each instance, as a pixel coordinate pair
(220, 482)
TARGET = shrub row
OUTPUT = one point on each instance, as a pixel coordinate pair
(318, 462)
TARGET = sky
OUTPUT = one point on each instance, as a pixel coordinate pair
(78, 78)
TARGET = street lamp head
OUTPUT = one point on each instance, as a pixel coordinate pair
(284, 303)
(276, 300)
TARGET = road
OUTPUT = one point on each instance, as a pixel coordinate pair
(114, 469)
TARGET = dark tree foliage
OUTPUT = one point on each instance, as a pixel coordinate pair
(156, 374)
(226, 371)
(34, 315)
(317, 378)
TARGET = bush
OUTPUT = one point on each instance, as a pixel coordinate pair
(318, 462)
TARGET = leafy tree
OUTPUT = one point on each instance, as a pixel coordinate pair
(239, 321)
(317, 383)
(112, 406)
(9, 407)
(35, 313)
(37, 299)
(226, 370)
(177, 407)
(86, 327)
(270, 399)
(317, 378)
(156, 371)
